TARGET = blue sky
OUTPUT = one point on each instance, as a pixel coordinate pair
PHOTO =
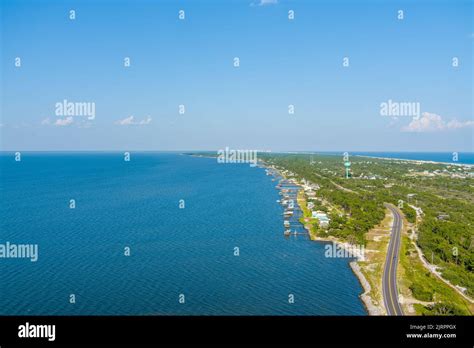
(282, 62)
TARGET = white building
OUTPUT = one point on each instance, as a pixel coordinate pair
(322, 218)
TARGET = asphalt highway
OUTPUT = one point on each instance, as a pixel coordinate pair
(389, 280)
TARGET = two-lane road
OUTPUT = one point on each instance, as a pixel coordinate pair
(389, 280)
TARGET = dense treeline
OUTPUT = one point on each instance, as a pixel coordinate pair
(361, 212)
(446, 233)
(410, 213)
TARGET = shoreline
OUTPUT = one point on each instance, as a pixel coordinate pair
(469, 165)
(417, 161)
(365, 298)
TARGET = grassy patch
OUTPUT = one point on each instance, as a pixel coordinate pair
(426, 287)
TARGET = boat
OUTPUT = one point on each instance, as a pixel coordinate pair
(286, 223)
(287, 232)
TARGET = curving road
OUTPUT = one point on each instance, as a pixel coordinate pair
(389, 279)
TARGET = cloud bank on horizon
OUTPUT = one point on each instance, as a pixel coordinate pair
(430, 122)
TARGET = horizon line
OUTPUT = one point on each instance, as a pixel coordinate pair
(262, 151)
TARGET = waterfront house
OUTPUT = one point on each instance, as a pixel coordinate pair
(324, 222)
(322, 218)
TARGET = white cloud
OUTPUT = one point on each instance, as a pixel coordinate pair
(429, 122)
(455, 124)
(126, 121)
(130, 121)
(145, 121)
(264, 2)
(64, 121)
(81, 123)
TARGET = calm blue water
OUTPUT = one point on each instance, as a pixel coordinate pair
(463, 157)
(173, 251)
